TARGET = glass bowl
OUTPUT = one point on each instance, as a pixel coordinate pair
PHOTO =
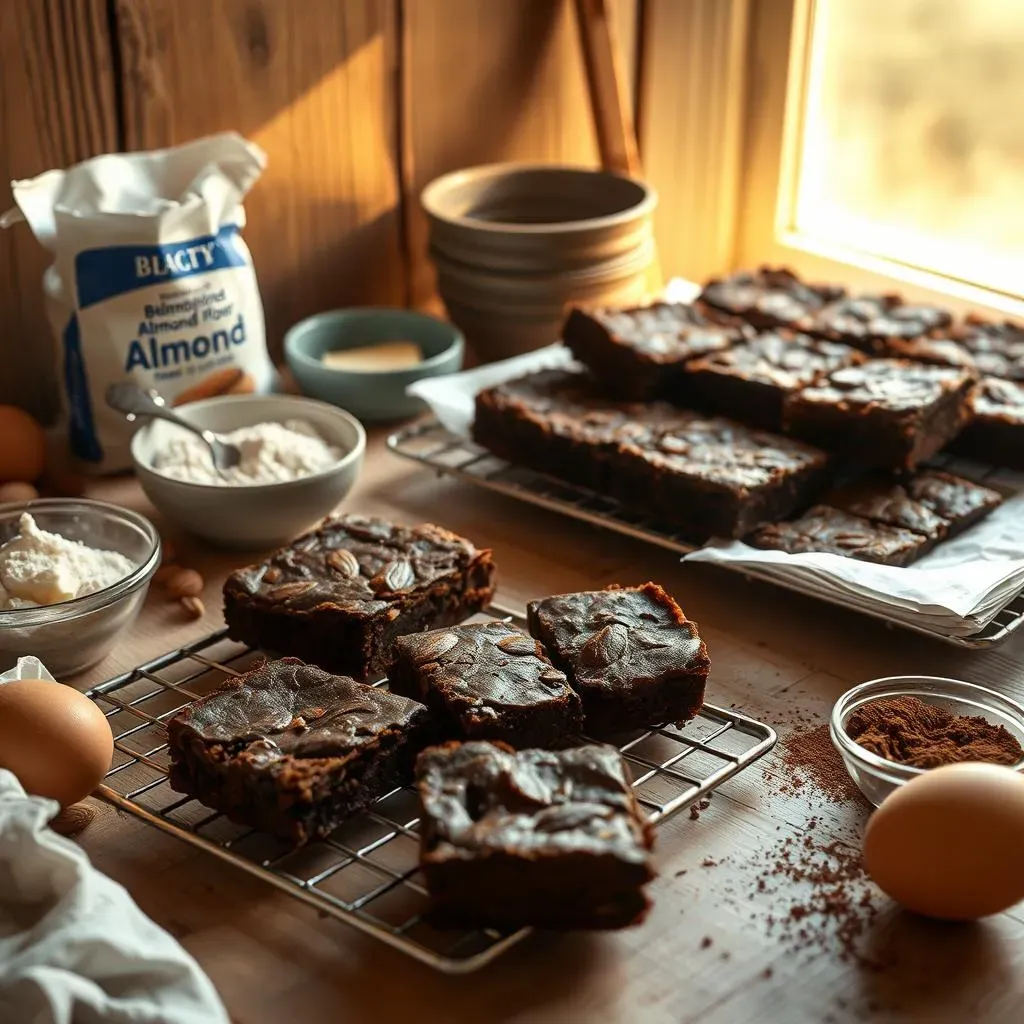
(74, 635)
(875, 776)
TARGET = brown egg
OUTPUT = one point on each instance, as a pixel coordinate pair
(55, 739)
(17, 492)
(22, 445)
(950, 843)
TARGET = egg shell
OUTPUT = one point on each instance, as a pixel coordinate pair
(54, 739)
(950, 843)
(22, 445)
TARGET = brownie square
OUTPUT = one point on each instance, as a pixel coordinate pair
(339, 595)
(876, 324)
(555, 421)
(639, 353)
(995, 430)
(488, 681)
(996, 349)
(835, 532)
(749, 382)
(882, 501)
(712, 476)
(886, 412)
(535, 838)
(292, 750)
(767, 297)
(629, 652)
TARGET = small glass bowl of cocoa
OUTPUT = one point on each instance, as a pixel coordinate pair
(888, 731)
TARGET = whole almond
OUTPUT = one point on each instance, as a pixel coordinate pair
(17, 491)
(184, 583)
(194, 606)
(165, 572)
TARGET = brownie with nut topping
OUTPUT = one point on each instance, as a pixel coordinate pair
(550, 839)
(875, 324)
(639, 352)
(889, 413)
(629, 652)
(488, 681)
(767, 297)
(339, 595)
(832, 531)
(750, 381)
(292, 750)
(995, 431)
(707, 476)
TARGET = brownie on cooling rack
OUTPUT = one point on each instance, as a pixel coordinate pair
(889, 413)
(995, 431)
(639, 352)
(292, 750)
(552, 839)
(749, 382)
(488, 681)
(935, 504)
(831, 531)
(876, 324)
(339, 596)
(629, 652)
(767, 297)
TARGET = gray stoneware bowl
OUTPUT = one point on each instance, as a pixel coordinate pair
(261, 516)
(374, 395)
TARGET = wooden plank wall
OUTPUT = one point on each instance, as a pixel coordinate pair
(338, 92)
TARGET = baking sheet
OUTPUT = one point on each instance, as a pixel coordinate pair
(957, 589)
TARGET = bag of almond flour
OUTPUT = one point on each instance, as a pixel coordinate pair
(151, 280)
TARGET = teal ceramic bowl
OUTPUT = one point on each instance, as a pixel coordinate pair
(372, 395)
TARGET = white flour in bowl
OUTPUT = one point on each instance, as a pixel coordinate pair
(42, 568)
(271, 453)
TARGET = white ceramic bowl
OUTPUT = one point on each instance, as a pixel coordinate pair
(74, 635)
(264, 515)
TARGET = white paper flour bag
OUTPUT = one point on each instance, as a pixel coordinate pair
(151, 280)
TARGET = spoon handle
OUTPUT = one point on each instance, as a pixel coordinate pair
(133, 401)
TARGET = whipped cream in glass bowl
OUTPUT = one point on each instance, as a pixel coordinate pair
(74, 574)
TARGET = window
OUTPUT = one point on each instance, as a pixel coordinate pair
(882, 142)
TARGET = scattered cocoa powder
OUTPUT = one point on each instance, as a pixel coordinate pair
(910, 731)
(810, 756)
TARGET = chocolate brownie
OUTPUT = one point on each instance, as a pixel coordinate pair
(767, 297)
(555, 421)
(995, 431)
(535, 838)
(339, 595)
(886, 412)
(832, 531)
(876, 324)
(996, 349)
(638, 353)
(707, 476)
(292, 750)
(630, 653)
(488, 681)
(713, 477)
(749, 382)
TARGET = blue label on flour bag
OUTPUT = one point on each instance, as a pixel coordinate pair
(103, 273)
(81, 430)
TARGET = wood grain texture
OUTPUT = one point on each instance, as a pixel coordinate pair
(493, 82)
(692, 96)
(315, 84)
(57, 106)
(711, 952)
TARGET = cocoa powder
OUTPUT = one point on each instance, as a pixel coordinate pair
(811, 757)
(912, 732)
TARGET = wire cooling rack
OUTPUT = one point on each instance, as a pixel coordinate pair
(366, 872)
(430, 444)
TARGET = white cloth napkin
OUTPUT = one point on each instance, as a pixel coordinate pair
(74, 947)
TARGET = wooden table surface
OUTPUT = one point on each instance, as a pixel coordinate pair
(720, 946)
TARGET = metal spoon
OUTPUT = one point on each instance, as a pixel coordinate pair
(134, 401)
